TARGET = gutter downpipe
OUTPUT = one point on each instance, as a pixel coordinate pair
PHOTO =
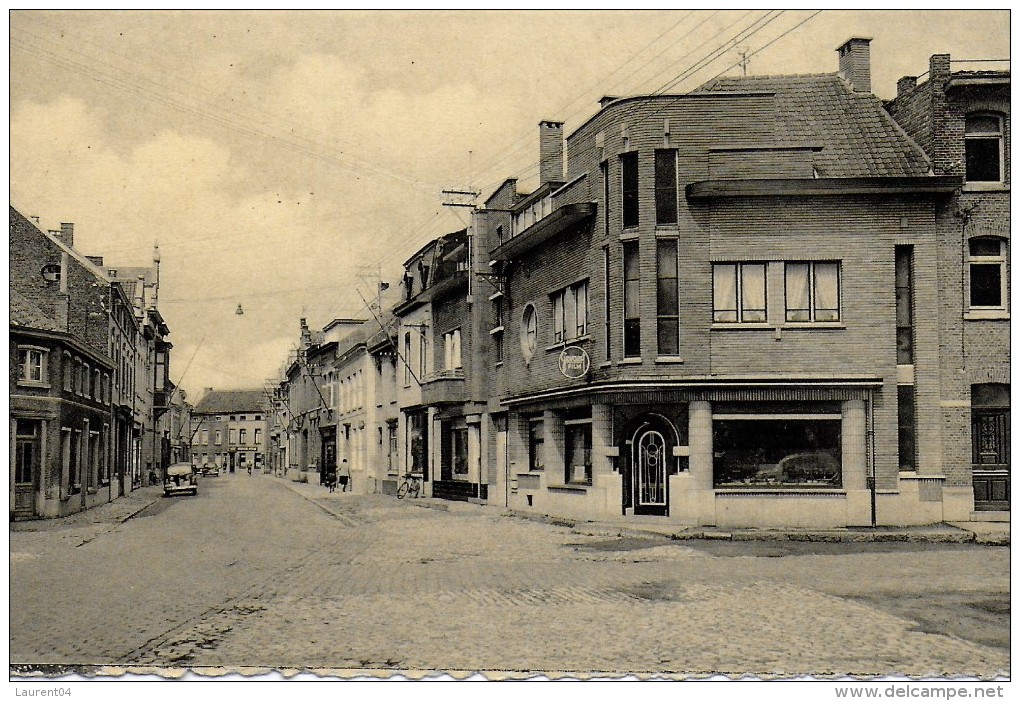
(872, 477)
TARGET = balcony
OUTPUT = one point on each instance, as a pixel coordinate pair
(443, 387)
(544, 219)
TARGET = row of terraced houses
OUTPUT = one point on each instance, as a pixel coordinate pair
(772, 301)
(93, 413)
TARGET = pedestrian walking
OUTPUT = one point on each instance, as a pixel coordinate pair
(344, 476)
(330, 479)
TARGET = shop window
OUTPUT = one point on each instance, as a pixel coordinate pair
(665, 187)
(570, 312)
(631, 300)
(578, 447)
(772, 451)
(33, 365)
(983, 139)
(739, 293)
(536, 445)
(987, 267)
(667, 297)
(812, 291)
(459, 451)
(629, 178)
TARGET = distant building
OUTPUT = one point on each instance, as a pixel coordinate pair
(229, 429)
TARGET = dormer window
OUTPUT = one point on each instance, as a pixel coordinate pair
(983, 143)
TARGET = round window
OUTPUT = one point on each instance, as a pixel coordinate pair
(529, 332)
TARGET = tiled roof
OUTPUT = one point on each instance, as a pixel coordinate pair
(26, 313)
(858, 136)
(231, 401)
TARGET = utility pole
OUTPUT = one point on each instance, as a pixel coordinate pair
(743, 61)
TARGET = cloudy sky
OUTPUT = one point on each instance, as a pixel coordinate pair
(279, 157)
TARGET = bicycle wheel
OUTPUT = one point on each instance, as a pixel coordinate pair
(415, 489)
(402, 490)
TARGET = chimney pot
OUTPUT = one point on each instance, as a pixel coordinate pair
(855, 63)
(550, 146)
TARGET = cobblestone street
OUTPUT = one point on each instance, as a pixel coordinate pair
(258, 572)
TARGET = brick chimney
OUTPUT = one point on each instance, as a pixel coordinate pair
(550, 151)
(67, 233)
(855, 63)
(938, 69)
(905, 85)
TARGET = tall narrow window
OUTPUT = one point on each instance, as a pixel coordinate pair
(536, 445)
(407, 359)
(578, 452)
(983, 143)
(665, 187)
(631, 301)
(667, 297)
(904, 305)
(497, 331)
(629, 176)
(987, 279)
(604, 169)
(738, 293)
(423, 356)
(451, 350)
(606, 302)
(812, 291)
(906, 427)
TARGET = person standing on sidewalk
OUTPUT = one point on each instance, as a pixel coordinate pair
(344, 476)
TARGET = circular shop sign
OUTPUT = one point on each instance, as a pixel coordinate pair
(574, 362)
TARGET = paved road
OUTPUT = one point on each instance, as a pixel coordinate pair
(254, 572)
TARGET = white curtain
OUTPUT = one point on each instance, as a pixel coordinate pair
(826, 292)
(752, 283)
(724, 292)
(798, 292)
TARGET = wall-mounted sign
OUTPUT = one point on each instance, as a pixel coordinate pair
(574, 362)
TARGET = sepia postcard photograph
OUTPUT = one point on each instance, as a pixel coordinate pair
(651, 344)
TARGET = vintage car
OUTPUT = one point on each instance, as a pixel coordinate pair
(210, 470)
(180, 479)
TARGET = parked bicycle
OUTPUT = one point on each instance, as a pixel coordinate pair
(411, 486)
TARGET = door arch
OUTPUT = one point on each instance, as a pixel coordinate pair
(649, 462)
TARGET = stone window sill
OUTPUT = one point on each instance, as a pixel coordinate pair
(579, 488)
(986, 315)
(985, 187)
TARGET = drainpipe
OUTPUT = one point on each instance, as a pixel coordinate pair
(872, 477)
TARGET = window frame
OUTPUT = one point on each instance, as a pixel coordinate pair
(663, 189)
(632, 324)
(569, 427)
(999, 136)
(630, 190)
(673, 314)
(25, 353)
(566, 307)
(1001, 261)
(529, 331)
(536, 444)
(812, 301)
(740, 309)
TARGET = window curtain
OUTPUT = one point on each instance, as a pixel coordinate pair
(752, 283)
(724, 292)
(798, 292)
(826, 292)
